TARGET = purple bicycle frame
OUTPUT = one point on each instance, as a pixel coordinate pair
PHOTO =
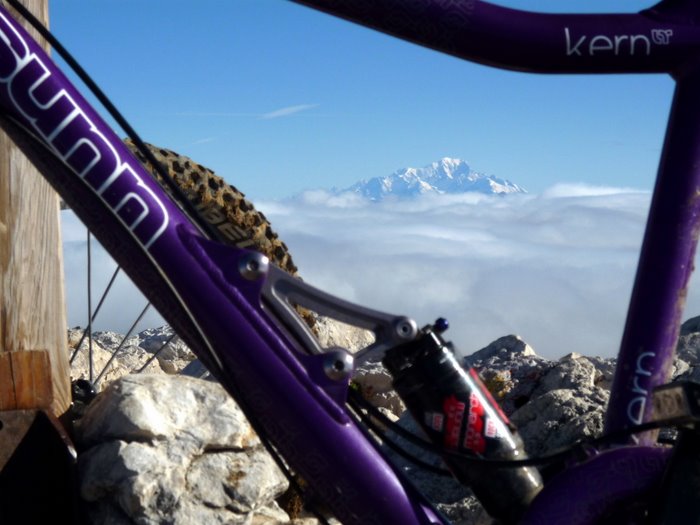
(662, 39)
(286, 390)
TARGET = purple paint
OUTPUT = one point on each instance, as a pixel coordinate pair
(666, 262)
(583, 494)
(41, 99)
(653, 41)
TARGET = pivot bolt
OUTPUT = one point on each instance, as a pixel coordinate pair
(253, 266)
(338, 364)
(405, 328)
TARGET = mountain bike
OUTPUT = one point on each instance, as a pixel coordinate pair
(297, 395)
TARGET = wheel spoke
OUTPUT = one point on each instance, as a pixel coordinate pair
(155, 354)
(121, 345)
(94, 315)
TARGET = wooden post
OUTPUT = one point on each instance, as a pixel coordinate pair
(34, 370)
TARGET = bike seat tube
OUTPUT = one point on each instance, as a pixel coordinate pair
(666, 263)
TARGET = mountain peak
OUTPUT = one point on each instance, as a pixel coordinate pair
(447, 175)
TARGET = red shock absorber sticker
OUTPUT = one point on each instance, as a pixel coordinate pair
(487, 395)
(454, 415)
(474, 437)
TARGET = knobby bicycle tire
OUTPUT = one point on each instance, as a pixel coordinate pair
(221, 205)
(225, 208)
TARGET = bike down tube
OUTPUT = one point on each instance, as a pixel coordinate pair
(662, 39)
(286, 392)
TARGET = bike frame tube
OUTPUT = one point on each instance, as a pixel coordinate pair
(286, 391)
(585, 493)
(662, 39)
(653, 41)
(666, 263)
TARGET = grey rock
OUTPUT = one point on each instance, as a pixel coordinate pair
(559, 418)
(605, 371)
(173, 449)
(138, 460)
(572, 371)
(126, 360)
(248, 480)
(128, 356)
(510, 369)
(112, 340)
(690, 326)
(197, 369)
(156, 407)
(686, 365)
(172, 353)
(503, 349)
(332, 333)
(376, 385)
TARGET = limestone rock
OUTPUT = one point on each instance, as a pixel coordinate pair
(690, 326)
(571, 371)
(510, 369)
(131, 356)
(332, 333)
(686, 365)
(173, 354)
(128, 359)
(144, 441)
(605, 371)
(375, 383)
(173, 449)
(559, 418)
(504, 348)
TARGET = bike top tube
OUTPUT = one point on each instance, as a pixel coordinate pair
(662, 39)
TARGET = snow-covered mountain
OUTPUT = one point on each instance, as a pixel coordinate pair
(444, 176)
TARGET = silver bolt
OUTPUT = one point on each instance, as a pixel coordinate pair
(338, 364)
(406, 329)
(253, 266)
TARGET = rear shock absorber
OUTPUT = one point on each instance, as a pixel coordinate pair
(458, 414)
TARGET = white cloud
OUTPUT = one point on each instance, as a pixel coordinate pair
(113, 315)
(277, 113)
(556, 269)
(585, 190)
(287, 111)
(204, 140)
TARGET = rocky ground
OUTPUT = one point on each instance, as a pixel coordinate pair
(161, 447)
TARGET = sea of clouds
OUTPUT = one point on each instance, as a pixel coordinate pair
(555, 268)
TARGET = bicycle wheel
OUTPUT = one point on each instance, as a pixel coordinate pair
(221, 205)
(227, 210)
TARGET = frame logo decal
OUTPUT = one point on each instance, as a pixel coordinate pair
(617, 45)
(53, 114)
(661, 37)
(637, 405)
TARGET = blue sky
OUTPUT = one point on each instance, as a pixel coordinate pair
(278, 98)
